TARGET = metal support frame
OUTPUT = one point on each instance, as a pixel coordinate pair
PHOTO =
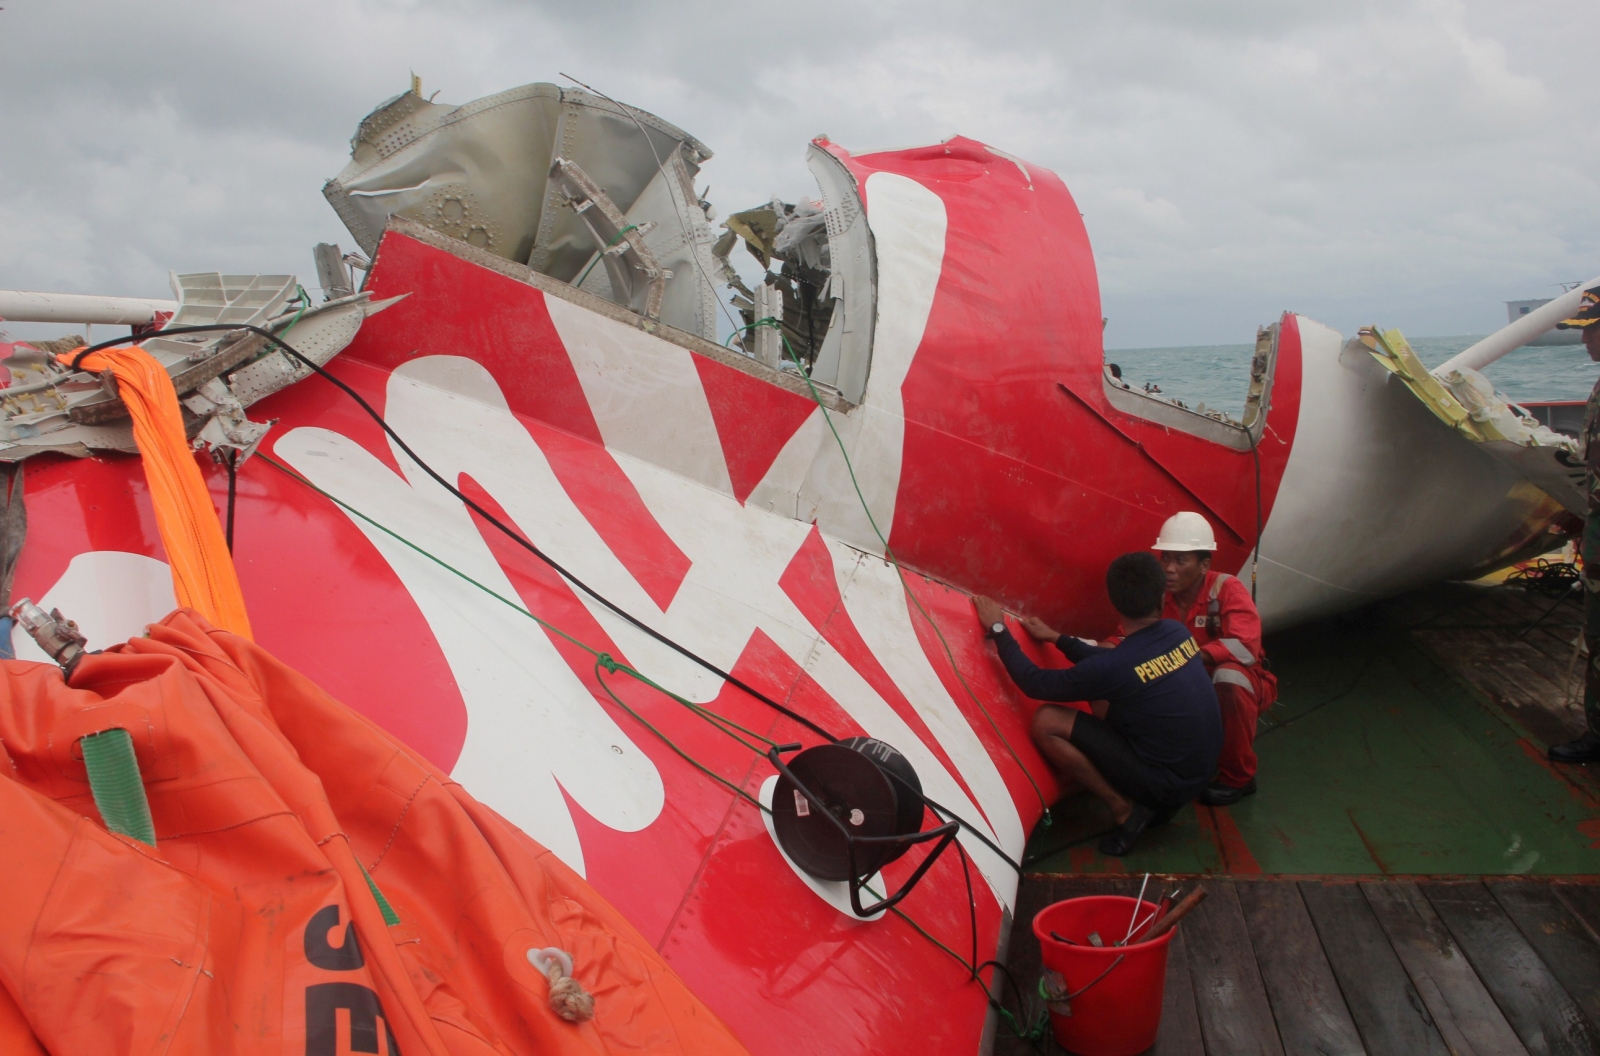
(620, 244)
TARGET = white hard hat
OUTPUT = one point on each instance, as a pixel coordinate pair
(1186, 531)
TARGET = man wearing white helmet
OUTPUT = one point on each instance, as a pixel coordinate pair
(1149, 743)
(1218, 610)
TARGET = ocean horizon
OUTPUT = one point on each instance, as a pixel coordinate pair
(1218, 375)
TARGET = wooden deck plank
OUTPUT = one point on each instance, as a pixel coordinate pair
(1382, 1000)
(1387, 967)
(1467, 1017)
(1534, 1002)
(1548, 657)
(1556, 636)
(1499, 668)
(1306, 1001)
(1563, 941)
(1527, 606)
(1180, 1019)
(1508, 614)
(1485, 661)
(1584, 901)
(1546, 648)
(1528, 670)
(1235, 1015)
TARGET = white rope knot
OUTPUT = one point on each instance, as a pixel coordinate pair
(567, 996)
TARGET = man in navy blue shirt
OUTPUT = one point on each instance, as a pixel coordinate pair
(1152, 743)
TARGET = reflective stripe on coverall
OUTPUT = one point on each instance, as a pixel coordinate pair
(1233, 656)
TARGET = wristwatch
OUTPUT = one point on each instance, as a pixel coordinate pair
(997, 628)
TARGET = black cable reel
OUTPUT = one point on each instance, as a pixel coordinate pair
(843, 811)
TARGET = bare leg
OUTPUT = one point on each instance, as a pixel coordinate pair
(1052, 728)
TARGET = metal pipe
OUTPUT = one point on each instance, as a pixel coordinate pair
(19, 307)
(1519, 333)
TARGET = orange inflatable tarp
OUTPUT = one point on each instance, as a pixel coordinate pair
(251, 926)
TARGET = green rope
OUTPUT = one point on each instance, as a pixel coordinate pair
(597, 256)
(889, 554)
(390, 917)
(1031, 1032)
(606, 662)
(603, 661)
(118, 789)
(721, 722)
(305, 302)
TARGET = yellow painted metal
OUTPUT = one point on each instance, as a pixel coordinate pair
(1391, 349)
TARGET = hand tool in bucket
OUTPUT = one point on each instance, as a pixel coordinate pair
(1105, 1001)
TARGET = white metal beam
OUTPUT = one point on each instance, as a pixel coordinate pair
(20, 307)
(1519, 333)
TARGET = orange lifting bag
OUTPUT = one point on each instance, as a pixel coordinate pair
(316, 888)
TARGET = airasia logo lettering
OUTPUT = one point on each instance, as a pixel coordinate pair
(324, 1000)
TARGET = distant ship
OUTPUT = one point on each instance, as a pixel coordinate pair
(1516, 309)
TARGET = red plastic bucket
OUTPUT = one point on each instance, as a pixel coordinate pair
(1118, 1011)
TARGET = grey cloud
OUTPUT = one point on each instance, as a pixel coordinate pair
(1407, 162)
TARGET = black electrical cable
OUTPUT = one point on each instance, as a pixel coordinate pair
(1255, 452)
(233, 492)
(972, 906)
(972, 903)
(513, 535)
(1039, 856)
(1572, 585)
(1264, 408)
(516, 537)
(1267, 728)
(975, 968)
(1032, 1034)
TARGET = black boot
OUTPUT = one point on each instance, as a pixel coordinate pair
(1585, 749)
(1120, 840)
(1227, 795)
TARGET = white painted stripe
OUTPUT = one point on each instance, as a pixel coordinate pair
(645, 394)
(112, 595)
(908, 228)
(882, 613)
(779, 490)
(533, 729)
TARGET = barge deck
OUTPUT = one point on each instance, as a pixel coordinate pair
(1414, 876)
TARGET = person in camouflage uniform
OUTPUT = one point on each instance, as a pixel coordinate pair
(1586, 749)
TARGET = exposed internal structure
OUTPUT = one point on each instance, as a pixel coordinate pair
(610, 207)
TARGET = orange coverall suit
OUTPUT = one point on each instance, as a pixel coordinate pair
(1227, 627)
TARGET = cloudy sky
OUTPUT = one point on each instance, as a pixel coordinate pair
(1409, 162)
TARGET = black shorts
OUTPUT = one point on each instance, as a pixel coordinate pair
(1145, 783)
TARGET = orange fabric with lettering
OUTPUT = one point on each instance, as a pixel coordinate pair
(203, 577)
(249, 928)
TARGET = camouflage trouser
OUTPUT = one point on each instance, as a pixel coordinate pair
(1590, 552)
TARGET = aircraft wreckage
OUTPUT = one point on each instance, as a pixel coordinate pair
(534, 312)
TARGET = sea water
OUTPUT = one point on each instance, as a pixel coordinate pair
(1219, 375)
